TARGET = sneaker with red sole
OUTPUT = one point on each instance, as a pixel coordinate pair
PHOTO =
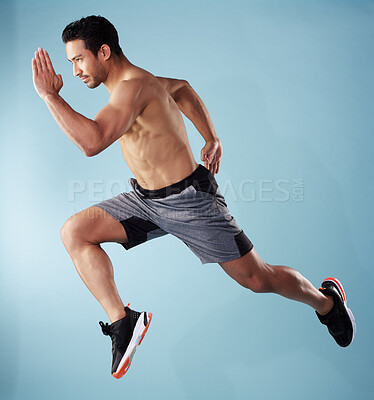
(126, 334)
(339, 320)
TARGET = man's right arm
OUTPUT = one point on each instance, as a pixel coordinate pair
(194, 109)
(191, 105)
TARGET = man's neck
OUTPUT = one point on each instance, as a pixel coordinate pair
(116, 72)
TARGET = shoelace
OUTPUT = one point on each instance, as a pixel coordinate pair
(105, 328)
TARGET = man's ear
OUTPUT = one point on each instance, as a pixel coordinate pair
(105, 52)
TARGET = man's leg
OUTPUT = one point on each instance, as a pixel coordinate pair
(253, 273)
(82, 234)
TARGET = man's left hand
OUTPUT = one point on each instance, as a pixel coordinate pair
(211, 154)
(46, 81)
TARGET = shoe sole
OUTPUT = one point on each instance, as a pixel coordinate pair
(349, 312)
(136, 339)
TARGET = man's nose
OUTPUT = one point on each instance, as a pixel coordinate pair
(76, 70)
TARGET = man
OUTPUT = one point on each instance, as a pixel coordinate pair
(171, 193)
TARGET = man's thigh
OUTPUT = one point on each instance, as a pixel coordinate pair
(94, 225)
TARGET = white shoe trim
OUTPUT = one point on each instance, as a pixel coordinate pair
(135, 339)
(349, 312)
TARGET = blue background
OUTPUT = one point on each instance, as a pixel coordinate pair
(289, 87)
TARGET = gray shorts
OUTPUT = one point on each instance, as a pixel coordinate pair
(193, 210)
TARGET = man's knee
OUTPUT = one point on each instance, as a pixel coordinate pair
(70, 231)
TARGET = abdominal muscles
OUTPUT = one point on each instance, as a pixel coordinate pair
(156, 148)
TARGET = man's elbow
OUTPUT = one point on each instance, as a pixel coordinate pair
(91, 151)
(95, 145)
(175, 85)
(182, 84)
(89, 154)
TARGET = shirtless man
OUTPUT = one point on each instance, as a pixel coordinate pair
(171, 193)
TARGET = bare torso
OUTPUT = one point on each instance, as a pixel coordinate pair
(156, 147)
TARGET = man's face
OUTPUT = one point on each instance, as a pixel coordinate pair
(85, 65)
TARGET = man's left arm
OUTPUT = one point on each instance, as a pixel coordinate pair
(91, 136)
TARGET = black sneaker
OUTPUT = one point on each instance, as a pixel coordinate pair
(126, 334)
(339, 320)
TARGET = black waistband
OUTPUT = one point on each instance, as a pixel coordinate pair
(200, 173)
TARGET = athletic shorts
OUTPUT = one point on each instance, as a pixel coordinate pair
(192, 209)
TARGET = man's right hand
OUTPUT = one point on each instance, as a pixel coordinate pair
(46, 81)
(211, 154)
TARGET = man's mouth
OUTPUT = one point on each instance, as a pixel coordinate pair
(84, 78)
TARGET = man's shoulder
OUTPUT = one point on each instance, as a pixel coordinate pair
(140, 90)
(129, 84)
(136, 83)
(127, 89)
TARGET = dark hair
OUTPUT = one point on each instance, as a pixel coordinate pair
(95, 31)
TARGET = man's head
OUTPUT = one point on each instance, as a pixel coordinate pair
(90, 42)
